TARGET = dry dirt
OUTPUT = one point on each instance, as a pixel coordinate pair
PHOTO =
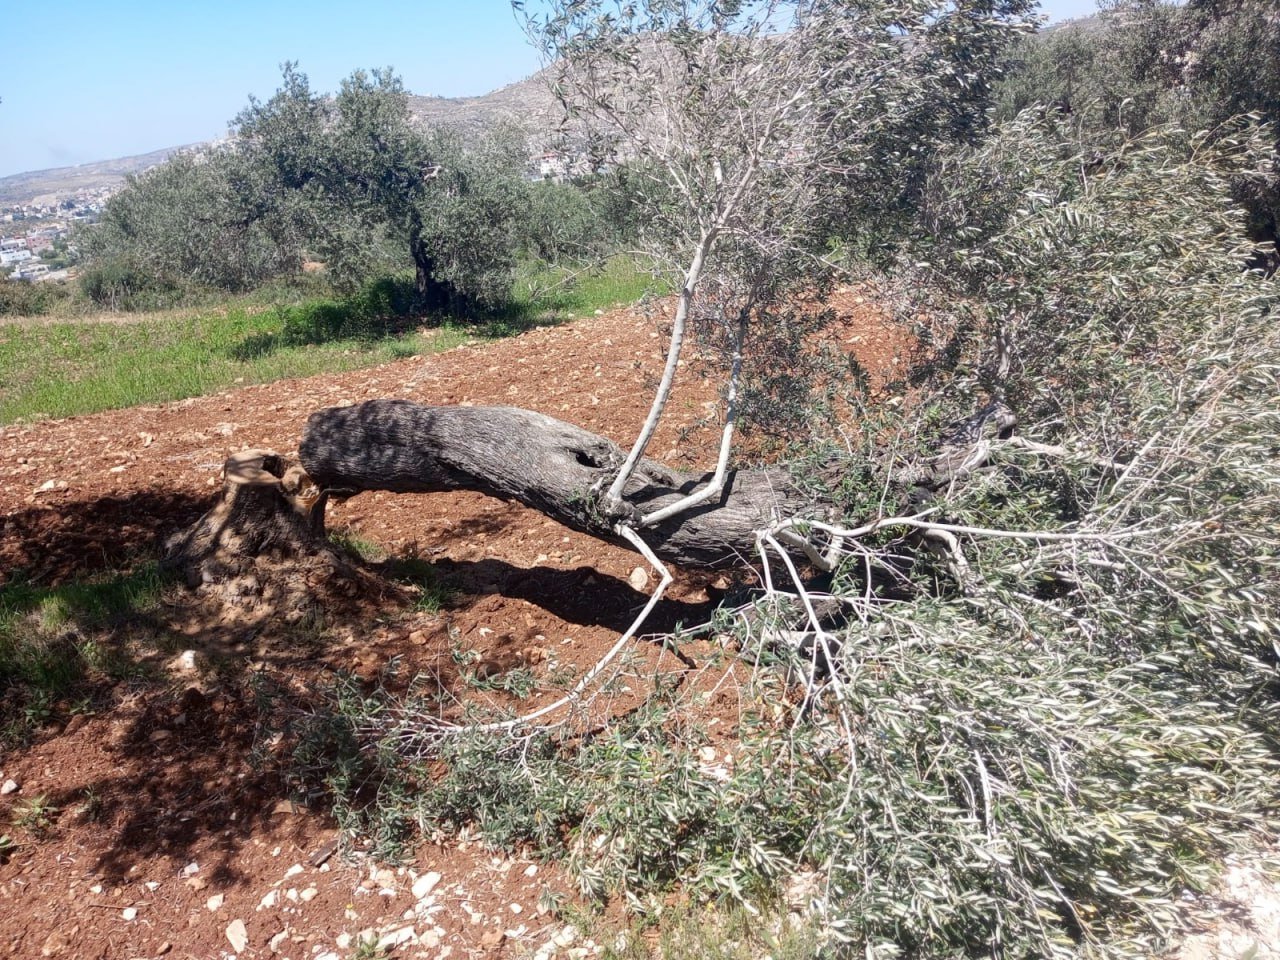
(167, 837)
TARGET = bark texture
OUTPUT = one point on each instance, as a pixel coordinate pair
(544, 463)
(265, 508)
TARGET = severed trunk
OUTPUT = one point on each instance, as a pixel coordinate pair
(551, 466)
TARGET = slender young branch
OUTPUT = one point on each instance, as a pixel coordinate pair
(589, 678)
(716, 483)
(612, 500)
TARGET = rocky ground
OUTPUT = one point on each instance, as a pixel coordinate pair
(166, 832)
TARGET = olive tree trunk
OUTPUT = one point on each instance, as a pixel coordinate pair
(544, 463)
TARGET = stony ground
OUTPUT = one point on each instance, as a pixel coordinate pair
(169, 830)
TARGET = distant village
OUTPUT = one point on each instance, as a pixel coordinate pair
(33, 236)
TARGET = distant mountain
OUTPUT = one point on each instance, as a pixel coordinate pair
(46, 186)
(527, 104)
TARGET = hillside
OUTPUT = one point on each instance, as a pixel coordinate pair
(527, 104)
(43, 186)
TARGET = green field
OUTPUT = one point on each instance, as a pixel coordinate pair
(76, 366)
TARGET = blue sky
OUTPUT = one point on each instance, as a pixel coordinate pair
(87, 80)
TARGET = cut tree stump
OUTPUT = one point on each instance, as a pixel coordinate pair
(267, 507)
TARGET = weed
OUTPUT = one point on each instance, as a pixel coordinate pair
(36, 815)
(7, 848)
(520, 682)
(359, 547)
(434, 594)
(53, 639)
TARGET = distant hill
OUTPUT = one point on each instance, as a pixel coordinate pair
(43, 186)
(527, 104)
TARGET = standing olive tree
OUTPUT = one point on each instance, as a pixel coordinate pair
(355, 174)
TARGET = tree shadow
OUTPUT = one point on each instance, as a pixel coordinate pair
(66, 538)
(582, 596)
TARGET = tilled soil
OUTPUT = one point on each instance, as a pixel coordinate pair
(169, 829)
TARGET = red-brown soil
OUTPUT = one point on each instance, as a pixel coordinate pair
(170, 826)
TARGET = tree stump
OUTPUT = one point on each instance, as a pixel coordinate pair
(267, 509)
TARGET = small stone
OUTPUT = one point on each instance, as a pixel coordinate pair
(214, 903)
(10, 786)
(237, 935)
(152, 886)
(516, 908)
(96, 888)
(293, 871)
(269, 900)
(163, 948)
(191, 869)
(309, 894)
(159, 735)
(343, 941)
(531, 870)
(491, 938)
(58, 942)
(639, 578)
(385, 878)
(275, 942)
(396, 938)
(129, 913)
(566, 936)
(425, 884)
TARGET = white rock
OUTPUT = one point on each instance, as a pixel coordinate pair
(129, 913)
(270, 900)
(309, 894)
(530, 870)
(237, 935)
(293, 871)
(192, 868)
(565, 936)
(275, 942)
(396, 938)
(10, 786)
(215, 902)
(425, 884)
(639, 578)
(152, 886)
(343, 941)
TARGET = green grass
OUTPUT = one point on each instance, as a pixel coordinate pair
(74, 367)
(67, 369)
(51, 638)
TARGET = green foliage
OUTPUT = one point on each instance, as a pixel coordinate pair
(1143, 64)
(358, 179)
(176, 229)
(21, 299)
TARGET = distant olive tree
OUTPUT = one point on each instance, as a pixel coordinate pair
(181, 226)
(355, 174)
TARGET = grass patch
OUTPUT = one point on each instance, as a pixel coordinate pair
(74, 367)
(52, 639)
(68, 369)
